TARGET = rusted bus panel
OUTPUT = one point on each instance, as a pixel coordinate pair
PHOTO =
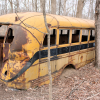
(25, 58)
(20, 38)
(1, 51)
(90, 55)
(61, 62)
(45, 79)
(82, 57)
(5, 51)
(18, 54)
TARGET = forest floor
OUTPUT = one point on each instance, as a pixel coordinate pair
(81, 84)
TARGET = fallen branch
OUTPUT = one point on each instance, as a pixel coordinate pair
(73, 90)
(92, 96)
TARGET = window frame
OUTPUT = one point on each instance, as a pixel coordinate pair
(68, 36)
(87, 37)
(76, 43)
(51, 46)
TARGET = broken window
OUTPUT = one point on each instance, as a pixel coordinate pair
(92, 35)
(85, 35)
(10, 36)
(64, 36)
(75, 36)
(52, 38)
(3, 30)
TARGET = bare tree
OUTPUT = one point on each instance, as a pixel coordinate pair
(59, 7)
(80, 6)
(41, 6)
(49, 6)
(53, 6)
(49, 67)
(6, 6)
(36, 5)
(64, 13)
(97, 34)
(11, 5)
(32, 5)
(92, 11)
(17, 5)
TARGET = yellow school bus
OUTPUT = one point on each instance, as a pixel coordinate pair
(23, 47)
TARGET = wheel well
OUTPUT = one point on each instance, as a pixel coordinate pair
(70, 66)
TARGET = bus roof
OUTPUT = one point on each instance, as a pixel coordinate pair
(37, 19)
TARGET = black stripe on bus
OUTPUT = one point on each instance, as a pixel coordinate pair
(84, 46)
(53, 52)
(63, 50)
(91, 45)
(74, 48)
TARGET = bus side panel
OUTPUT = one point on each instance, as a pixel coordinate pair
(74, 58)
(82, 57)
(44, 68)
(61, 62)
(90, 56)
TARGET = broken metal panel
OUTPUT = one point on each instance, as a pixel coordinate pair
(20, 38)
(3, 30)
(25, 63)
(5, 51)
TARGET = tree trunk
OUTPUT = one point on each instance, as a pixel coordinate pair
(28, 5)
(59, 6)
(36, 5)
(92, 12)
(97, 34)
(49, 6)
(17, 5)
(53, 6)
(41, 6)
(80, 8)
(64, 13)
(32, 5)
(5, 6)
(11, 5)
(49, 67)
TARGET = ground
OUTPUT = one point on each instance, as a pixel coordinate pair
(81, 84)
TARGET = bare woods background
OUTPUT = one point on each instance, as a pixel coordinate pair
(74, 8)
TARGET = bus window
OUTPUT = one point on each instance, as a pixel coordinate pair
(64, 36)
(10, 36)
(92, 35)
(75, 36)
(85, 35)
(52, 38)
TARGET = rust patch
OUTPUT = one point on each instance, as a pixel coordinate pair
(81, 58)
(20, 38)
(17, 19)
(5, 51)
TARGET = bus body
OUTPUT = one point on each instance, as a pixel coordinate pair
(23, 47)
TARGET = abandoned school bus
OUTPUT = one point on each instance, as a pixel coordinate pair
(23, 47)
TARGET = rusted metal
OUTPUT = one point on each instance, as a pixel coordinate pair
(5, 51)
(24, 65)
(20, 38)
